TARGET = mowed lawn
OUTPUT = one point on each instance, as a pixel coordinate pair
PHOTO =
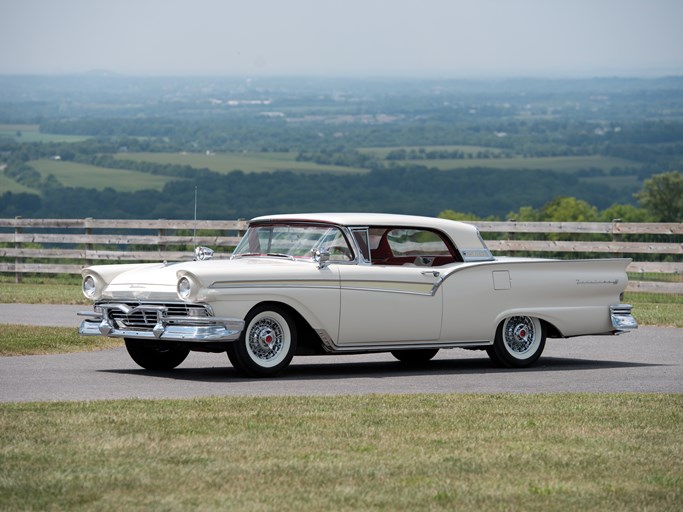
(72, 174)
(501, 452)
(246, 162)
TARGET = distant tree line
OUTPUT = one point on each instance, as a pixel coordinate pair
(415, 190)
(330, 123)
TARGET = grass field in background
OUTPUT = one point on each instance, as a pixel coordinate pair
(72, 174)
(31, 133)
(89, 176)
(45, 290)
(564, 452)
(271, 161)
(9, 185)
(554, 163)
(246, 162)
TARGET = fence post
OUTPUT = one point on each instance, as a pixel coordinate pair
(161, 246)
(17, 245)
(511, 235)
(88, 246)
(616, 237)
(241, 232)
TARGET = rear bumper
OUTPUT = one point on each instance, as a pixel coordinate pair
(621, 317)
(166, 328)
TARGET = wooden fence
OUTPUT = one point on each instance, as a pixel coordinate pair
(66, 245)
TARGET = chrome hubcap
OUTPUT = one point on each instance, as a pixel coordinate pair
(519, 334)
(266, 339)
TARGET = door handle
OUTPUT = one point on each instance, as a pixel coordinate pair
(435, 273)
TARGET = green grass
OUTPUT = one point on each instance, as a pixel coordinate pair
(561, 164)
(656, 308)
(31, 133)
(73, 174)
(9, 185)
(23, 340)
(659, 314)
(41, 291)
(564, 452)
(555, 163)
(272, 161)
(246, 162)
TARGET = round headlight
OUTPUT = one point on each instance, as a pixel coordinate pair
(184, 287)
(89, 286)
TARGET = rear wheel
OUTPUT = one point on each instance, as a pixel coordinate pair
(519, 342)
(156, 356)
(416, 356)
(266, 345)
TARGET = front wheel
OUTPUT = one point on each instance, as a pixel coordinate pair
(519, 342)
(267, 344)
(156, 356)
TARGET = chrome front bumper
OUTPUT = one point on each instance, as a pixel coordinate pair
(166, 327)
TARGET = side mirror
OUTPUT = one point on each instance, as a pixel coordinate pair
(202, 253)
(322, 256)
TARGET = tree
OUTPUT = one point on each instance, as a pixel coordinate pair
(453, 215)
(569, 209)
(662, 196)
(625, 213)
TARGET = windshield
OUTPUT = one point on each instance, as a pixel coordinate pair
(299, 241)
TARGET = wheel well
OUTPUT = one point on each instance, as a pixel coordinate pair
(550, 330)
(308, 341)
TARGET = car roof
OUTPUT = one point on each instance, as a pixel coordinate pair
(465, 236)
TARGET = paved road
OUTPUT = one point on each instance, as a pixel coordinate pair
(647, 360)
(41, 314)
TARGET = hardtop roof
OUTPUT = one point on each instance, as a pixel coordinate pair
(464, 236)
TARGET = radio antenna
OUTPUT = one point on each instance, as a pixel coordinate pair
(194, 233)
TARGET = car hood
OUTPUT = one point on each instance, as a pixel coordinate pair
(159, 281)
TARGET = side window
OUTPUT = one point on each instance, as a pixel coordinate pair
(416, 242)
(335, 242)
(409, 246)
(362, 239)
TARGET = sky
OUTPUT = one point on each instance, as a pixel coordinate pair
(406, 38)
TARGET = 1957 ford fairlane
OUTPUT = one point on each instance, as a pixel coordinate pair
(351, 283)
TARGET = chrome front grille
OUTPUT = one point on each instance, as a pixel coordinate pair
(145, 316)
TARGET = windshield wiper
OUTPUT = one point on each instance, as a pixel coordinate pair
(272, 254)
(280, 255)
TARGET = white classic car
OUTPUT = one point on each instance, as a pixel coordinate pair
(352, 283)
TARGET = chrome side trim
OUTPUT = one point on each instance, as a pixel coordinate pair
(367, 286)
(285, 283)
(407, 287)
(331, 347)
